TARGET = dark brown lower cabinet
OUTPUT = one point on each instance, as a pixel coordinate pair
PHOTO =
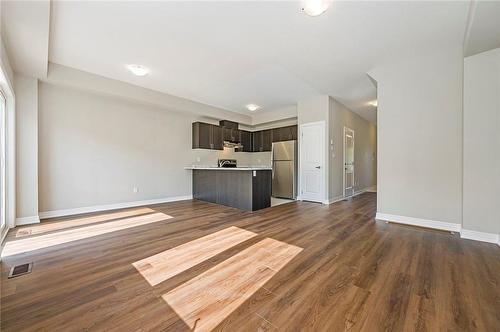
(244, 190)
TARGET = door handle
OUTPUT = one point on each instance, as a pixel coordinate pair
(318, 167)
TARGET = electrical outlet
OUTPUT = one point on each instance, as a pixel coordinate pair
(136, 190)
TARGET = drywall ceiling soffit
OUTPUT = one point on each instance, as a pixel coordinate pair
(77, 79)
(25, 29)
(483, 30)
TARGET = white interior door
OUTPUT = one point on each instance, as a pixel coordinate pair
(348, 162)
(312, 161)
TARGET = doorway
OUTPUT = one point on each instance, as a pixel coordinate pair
(312, 161)
(348, 162)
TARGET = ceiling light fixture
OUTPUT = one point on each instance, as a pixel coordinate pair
(315, 7)
(138, 70)
(252, 107)
(373, 103)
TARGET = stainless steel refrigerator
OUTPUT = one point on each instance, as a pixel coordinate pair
(284, 156)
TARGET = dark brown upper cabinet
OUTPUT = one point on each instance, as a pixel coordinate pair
(285, 134)
(231, 135)
(262, 140)
(217, 141)
(267, 139)
(257, 141)
(246, 141)
(207, 136)
(295, 131)
(228, 124)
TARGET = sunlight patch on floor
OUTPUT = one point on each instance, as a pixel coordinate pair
(15, 247)
(166, 264)
(206, 300)
(79, 221)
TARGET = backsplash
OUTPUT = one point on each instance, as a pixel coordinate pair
(202, 157)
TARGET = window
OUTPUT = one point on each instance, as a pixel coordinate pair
(2, 161)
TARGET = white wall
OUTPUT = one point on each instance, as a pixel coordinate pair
(26, 90)
(365, 150)
(420, 138)
(481, 175)
(315, 109)
(94, 149)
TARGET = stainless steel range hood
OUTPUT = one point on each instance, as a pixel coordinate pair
(233, 145)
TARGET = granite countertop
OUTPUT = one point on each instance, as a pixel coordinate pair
(215, 168)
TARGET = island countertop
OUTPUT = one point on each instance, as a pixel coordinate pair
(215, 168)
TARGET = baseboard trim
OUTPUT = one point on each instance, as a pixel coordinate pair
(359, 192)
(99, 208)
(27, 220)
(341, 198)
(480, 236)
(335, 199)
(372, 189)
(446, 226)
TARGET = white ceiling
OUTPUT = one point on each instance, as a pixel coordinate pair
(232, 53)
(25, 29)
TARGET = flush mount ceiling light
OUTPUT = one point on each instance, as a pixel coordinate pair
(252, 107)
(138, 70)
(315, 7)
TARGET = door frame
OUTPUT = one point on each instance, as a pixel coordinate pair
(345, 131)
(323, 166)
(10, 152)
(3, 165)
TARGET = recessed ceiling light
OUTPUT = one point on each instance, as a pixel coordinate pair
(373, 103)
(252, 107)
(315, 7)
(138, 70)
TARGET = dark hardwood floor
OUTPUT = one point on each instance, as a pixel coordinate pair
(353, 273)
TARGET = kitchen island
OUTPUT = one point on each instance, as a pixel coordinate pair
(245, 188)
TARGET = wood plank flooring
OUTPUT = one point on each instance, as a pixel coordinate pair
(206, 300)
(352, 273)
(169, 263)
